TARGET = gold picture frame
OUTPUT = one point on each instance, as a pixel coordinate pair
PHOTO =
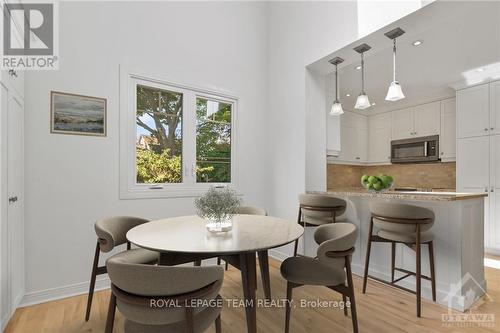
(77, 114)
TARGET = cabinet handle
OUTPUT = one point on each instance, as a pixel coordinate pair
(12, 199)
(492, 128)
(442, 153)
(492, 189)
(486, 189)
(357, 158)
(486, 130)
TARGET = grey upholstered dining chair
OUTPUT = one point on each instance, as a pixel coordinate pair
(316, 210)
(262, 255)
(111, 232)
(331, 268)
(405, 224)
(163, 298)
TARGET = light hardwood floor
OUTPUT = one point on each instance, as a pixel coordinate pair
(382, 309)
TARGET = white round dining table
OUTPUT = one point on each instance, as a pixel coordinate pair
(185, 238)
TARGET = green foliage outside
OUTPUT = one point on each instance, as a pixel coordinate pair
(159, 154)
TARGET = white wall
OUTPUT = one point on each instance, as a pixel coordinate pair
(299, 33)
(73, 180)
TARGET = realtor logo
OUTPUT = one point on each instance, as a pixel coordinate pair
(29, 36)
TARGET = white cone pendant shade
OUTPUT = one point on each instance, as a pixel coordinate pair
(395, 93)
(362, 102)
(336, 109)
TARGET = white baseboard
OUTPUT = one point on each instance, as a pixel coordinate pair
(53, 294)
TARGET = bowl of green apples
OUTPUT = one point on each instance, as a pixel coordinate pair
(377, 183)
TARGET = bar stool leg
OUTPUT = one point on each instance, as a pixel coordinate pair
(296, 247)
(418, 272)
(367, 260)
(393, 260)
(433, 272)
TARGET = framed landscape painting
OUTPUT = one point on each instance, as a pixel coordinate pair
(77, 114)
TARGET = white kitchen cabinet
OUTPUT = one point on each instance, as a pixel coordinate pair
(494, 196)
(353, 138)
(473, 111)
(332, 135)
(448, 137)
(402, 124)
(495, 107)
(473, 159)
(427, 119)
(379, 138)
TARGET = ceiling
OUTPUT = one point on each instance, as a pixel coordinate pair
(461, 46)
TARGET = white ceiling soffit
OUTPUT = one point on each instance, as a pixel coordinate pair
(461, 46)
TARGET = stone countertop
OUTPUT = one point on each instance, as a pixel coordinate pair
(402, 195)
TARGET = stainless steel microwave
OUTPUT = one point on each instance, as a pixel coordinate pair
(415, 150)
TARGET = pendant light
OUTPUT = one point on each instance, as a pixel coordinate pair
(362, 102)
(336, 109)
(394, 93)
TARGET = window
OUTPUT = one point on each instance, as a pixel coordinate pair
(175, 140)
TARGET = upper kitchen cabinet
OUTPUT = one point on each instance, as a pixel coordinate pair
(421, 120)
(448, 137)
(473, 111)
(353, 139)
(332, 135)
(427, 119)
(379, 138)
(402, 124)
(495, 107)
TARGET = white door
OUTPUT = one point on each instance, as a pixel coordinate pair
(495, 107)
(427, 119)
(4, 230)
(473, 111)
(15, 185)
(494, 218)
(448, 137)
(379, 138)
(402, 124)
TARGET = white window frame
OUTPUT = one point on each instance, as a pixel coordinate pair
(129, 188)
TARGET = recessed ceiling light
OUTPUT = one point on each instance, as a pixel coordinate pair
(479, 70)
(348, 95)
(417, 42)
(358, 67)
(373, 103)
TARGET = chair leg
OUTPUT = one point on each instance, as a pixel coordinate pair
(197, 263)
(111, 314)
(227, 266)
(189, 320)
(218, 261)
(418, 272)
(433, 272)
(344, 299)
(367, 260)
(296, 246)
(289, 288)
(218, 325)
(92, 281)
(393, 260)
(352, 300)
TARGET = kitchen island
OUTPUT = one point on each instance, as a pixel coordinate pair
(458, 232)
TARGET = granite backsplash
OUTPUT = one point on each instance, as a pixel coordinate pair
(423, 175)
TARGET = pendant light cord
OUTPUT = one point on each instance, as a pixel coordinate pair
(394, 61)
(362, 74)
(336, 85)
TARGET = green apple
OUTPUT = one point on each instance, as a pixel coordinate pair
(377, 186)
(386, 181)
(364, 179)
(372, 179)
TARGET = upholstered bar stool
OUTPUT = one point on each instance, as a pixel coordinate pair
(111, 232)
(331, 268)
(163, 299)
(409, 225)
(316, 210)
